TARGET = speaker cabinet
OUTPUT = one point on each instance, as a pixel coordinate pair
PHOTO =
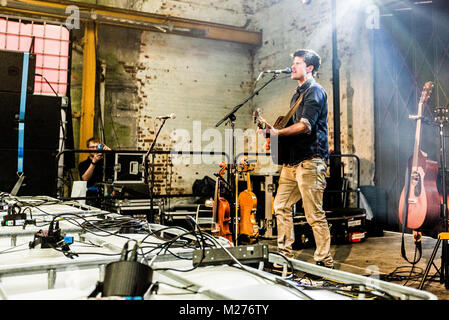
(42, 121)
(39, 168)
(11, 68)
(41, 143)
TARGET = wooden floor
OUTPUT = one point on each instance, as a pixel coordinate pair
(381, 257)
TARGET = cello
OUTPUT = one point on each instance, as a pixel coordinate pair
(221, 210)
(248, 227)
(419, 204)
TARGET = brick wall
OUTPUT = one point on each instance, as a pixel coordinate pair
(151, 74)
(289, 25)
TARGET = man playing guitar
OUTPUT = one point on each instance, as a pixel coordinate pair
(305, 142)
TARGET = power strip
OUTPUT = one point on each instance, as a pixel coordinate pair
(14, 219)
(244, 254)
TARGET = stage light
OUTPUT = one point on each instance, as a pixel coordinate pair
(306, 1)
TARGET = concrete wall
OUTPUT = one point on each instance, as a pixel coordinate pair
(150, 74)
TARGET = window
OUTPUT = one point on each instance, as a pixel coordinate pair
(51, 46)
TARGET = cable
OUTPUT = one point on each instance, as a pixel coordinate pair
(288, 262)
(169, 243)
(87, 222)
(354, 290)
(397, 274)
(200, 239)
(10, 248)
(51, 87)
(155, 287)
(277, 279)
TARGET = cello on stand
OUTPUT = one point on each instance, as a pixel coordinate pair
(419, 204)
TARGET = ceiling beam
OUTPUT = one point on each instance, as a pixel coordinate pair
(133, 19)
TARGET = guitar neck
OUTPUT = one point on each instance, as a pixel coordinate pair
(417, 138)
(424, 97)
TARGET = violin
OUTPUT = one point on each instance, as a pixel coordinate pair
(221, 210)
(248, 227)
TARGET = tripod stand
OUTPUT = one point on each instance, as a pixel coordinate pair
(442, 236)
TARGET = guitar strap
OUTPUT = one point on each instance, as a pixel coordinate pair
(23, 98)
(292, 110)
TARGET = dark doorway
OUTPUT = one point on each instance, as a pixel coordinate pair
(410, 48)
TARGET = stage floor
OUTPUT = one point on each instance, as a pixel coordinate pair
(380, 257)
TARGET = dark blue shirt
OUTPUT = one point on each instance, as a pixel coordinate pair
(314, 108)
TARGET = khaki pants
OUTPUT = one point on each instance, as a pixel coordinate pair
(307, 181)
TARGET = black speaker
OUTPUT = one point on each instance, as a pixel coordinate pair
(39, 168)
(11, 67)
(42, 121)
(41, 143)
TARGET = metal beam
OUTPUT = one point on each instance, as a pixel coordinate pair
(135, 19)
(88, 88)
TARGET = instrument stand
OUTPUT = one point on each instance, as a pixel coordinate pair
(232, 176)
(150, 217)
(443, 236)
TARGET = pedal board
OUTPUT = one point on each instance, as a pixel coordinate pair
(244, 254)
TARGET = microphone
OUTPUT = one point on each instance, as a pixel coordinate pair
(286, 70)
(170, 116)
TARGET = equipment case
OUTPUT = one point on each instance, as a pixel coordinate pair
(346, 225)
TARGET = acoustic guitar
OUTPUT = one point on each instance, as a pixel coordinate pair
(419, 204)
(279, 153)
(278, 145)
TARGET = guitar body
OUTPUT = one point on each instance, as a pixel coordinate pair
(279, 153)
(278, 145)
(248, 227)
(424, 199)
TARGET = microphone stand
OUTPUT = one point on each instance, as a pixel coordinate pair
(442, 236)
(232, 166)
(150, 217)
